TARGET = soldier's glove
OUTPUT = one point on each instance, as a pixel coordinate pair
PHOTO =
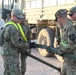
(32, 45)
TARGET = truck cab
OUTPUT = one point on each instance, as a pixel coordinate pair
(7, 6)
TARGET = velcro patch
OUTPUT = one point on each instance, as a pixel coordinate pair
(72, 37)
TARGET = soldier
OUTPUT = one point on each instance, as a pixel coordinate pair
(59, 29)
(13, 44)
(67, 42)
(72, 14)
(27, 32)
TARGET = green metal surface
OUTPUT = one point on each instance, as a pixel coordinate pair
(53, 50)
(40, 60)
(49, 49)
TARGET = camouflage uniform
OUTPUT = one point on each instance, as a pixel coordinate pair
(59, 30)
(23, 57)
(68, 37)
(12, 43)
(71, 14)
(64, 69)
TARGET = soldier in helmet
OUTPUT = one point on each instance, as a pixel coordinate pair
(68, 38)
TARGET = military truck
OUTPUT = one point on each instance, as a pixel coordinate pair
(7, 6)
(40, 14)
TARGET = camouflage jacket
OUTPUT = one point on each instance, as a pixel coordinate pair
(13, 40)
(59, 29)
(69, 38)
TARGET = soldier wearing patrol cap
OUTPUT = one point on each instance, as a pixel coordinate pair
(72, 14)
(27, 32)
(68, 38)
(60, 13)
(13, 44)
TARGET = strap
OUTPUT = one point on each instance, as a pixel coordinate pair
(21, 30)
(18, 26)
(12, 23)
(63, 43)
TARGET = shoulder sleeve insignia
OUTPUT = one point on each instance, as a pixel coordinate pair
(72, 37)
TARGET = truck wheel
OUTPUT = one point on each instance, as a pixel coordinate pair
(46, 37)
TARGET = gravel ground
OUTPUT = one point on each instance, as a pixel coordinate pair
(37, 68)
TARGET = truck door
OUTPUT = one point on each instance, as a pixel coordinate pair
(7, 6)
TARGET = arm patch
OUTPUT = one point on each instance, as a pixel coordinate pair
(72, 37)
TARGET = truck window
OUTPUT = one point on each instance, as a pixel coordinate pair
(38, 3)
(64, 2)
(27, 4)
(70, 1)
(46, 3)
(50, 3)
(7, 4)
(53, 2)
(61, 2)
(33, 4)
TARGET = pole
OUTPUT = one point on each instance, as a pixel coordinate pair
(44, 62)
(53, 50)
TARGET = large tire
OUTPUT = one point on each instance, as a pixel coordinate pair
(46, 37)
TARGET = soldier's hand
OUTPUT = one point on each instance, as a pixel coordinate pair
(32, 45)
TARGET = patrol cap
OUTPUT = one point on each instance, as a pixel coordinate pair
(18, 13)
(60, 13)
(72, 10)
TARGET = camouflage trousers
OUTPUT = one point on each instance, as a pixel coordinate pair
(68, 71)
(11, 65)
(23, 63)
